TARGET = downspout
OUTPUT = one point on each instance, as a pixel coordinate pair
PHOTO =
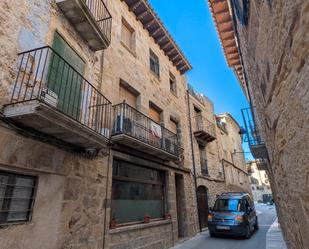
(193, 161)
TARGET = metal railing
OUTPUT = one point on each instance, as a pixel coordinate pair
(253, 135)
(45, 76)
(101, 15)
(202, 124)
(129, 121)
(198, 96)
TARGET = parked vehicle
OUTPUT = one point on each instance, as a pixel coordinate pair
(233, 214)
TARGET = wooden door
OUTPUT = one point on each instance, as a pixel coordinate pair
(65, 77)
(202, 202)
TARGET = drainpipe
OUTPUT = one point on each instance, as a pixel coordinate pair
(193, 161)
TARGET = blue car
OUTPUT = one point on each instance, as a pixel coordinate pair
(233, 214)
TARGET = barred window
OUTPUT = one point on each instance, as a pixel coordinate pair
(154, 63)
(137, 192)
(16, 197)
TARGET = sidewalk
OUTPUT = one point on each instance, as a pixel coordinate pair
(274, 238)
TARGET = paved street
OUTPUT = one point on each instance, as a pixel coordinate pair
(267, 218)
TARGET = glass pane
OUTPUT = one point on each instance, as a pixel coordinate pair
(132, 201)
(227, 205)
(3, 181)
(17, 216)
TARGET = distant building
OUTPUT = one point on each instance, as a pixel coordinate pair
(259, 183)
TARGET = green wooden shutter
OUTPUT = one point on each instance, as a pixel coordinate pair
(65, 77)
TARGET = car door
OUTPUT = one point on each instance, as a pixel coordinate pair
(250, 210)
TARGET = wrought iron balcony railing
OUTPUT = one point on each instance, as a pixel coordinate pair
(204, 129)
(101, 15)
(131, 122)
(253, 134)
(91, 19)
(45, 76)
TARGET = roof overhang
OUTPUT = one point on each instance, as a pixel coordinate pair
(223, 18)
(152, 23)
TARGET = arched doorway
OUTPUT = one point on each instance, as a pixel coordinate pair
(202, 205)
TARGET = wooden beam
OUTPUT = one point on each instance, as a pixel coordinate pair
(166, 45)
(161, 38)
(134, 6)
(142, 15)
(156, 31)
(175, 57)
(171, 51)
(148, 24)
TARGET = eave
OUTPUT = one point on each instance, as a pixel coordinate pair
(223, 20)
(152, 23)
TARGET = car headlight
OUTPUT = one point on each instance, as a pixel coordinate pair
(239, 219)
(210, 217)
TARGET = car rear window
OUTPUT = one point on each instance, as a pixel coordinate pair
(227, 205)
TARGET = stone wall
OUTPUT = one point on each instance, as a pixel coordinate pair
(274, 47)
(73, 190)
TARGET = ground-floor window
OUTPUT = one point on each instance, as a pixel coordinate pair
(137, 193)
(16, 197)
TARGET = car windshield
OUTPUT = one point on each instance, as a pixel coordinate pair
(227, 205)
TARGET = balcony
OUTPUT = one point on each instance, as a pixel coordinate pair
(91, 19)
(204, 130)
(262, 165)
(253, 136)
(52, 97)
(134, 129)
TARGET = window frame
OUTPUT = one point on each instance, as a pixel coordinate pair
(8, 197)
(154, 63)
(132, 47)
(173, 83)
(163, 184)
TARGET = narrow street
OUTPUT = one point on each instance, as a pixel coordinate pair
(267, 216)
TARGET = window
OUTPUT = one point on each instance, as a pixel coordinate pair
(203, 160)
(127, 35)
(128, 94)
(227, 205)
(137, 192)
(173, 84)
(16, 197)
(154, 64)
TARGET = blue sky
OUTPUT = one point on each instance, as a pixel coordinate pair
(191, 25)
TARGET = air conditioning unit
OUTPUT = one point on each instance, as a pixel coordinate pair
(49, 97)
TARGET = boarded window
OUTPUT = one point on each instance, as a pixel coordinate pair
(127, 35)
(137, 192)
(16, 197)
(154, 114)
(154, 63)
(127, 95)
(173, 126)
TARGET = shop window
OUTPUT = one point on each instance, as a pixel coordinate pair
(137, 193)
(16, 197)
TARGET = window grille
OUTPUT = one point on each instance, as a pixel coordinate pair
(16, 197)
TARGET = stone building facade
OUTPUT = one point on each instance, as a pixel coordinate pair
(92, 124)
(215, 138)
(259, 182)
(266, 44)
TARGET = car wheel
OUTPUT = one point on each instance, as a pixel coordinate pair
(212, 234)
(256, 225)
(247, 232)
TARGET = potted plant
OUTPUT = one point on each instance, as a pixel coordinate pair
(167, 216)
(147, 218)
(113, 223)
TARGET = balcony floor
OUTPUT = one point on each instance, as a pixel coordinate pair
(82, 19)
(203, 137)
(129, 141)
(259, 151)
(48, 120)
